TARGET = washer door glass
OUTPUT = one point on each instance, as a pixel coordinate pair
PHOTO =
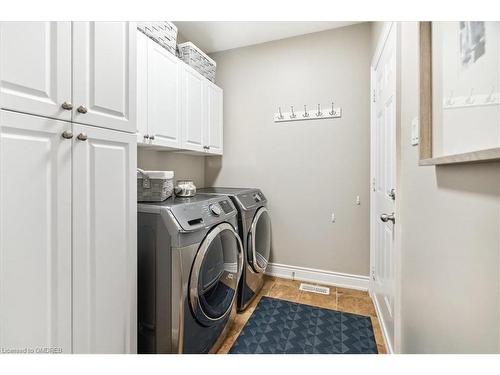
(259, 240)
(215, 274)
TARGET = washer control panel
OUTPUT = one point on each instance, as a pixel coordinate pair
(215, 209)
(202, 212)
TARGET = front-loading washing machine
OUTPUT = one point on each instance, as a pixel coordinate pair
(190, 260)
(254, 225)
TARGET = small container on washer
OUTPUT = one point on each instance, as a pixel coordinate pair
(154, 186)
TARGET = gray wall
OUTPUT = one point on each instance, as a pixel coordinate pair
(450, 220)
(307, 169)
(184, 166)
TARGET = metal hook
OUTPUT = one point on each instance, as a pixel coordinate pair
(470, 100)
(293, 113)
(319, 113)
(280, 114)
(305, 112)
(332, 112)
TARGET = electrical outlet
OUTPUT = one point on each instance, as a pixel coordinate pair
(333, 217)
(414, 132)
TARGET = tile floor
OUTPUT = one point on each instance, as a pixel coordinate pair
(340, 299)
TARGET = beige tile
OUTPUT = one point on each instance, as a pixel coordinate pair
(352, 292)
(381, 349)
(377, 331)
(286, 282)
(355, 305)
(286, 292)
(318, 300)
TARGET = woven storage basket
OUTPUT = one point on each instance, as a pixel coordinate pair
(154, 186)
(197, 59)
(162, 32)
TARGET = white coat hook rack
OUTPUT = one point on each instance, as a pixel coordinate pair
(333, 112)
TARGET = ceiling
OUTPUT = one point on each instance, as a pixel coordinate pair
(214, 36)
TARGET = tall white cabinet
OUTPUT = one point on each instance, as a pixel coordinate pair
(67, 187)
(104, 241)
(104, 74)
(35, 71)
(35, 232)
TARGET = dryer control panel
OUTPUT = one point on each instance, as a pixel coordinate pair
(252, 198)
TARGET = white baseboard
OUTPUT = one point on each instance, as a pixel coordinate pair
(383, 327)
(343, 280)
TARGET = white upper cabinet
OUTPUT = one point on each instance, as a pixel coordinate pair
(104, 241)
(193, 110)
(164, 96)
(177, 107)
(35, 68)
(105, 75)
(35, 232)
(142, 88)
(213, 130)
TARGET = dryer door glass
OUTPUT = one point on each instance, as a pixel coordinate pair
(215, 274)
(259, 240)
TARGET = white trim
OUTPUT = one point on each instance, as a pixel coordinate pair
(395, 346)
(387, 343)
(381, 43)
(343, 280)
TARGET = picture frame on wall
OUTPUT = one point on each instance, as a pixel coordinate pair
(459, 92)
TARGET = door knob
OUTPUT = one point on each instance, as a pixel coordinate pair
(82, 109)
(67, 134)
(67, 106)
(82, 137)
(388, 217)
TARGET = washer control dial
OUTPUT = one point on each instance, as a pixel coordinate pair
(215, 209)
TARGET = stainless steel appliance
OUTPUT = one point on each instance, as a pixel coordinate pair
(190, 259)
(254, 225)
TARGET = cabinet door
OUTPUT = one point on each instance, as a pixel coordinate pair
(35, 233)
(35, 68)
(105, 74)
(142, 88)
(104, 241)
(164, 96)
(193, 114)
(214, 124)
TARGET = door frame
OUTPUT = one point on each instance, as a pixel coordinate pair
(394, 347)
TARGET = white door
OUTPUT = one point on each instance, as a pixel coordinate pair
(105, 74)
(193, 105)
(35, 68)
(104, 241)
(383, 184)
(214, 124)
(164, 96)
(35, 233)
(142, 88)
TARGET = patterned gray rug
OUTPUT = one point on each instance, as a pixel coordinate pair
(281, 327)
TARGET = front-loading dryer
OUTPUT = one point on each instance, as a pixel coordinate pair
(254, 225)
(190, 259)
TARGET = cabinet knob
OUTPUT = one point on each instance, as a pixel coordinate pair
(146, 136)
(82, 137)
(82, 109)
(67, 134)
(67, 106)
(152, 137)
